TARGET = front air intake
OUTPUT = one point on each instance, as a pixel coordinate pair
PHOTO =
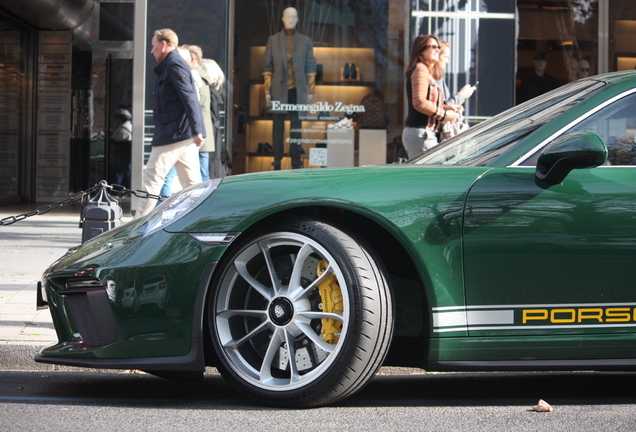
(91, 311)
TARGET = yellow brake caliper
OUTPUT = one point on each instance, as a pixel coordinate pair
(331, 296)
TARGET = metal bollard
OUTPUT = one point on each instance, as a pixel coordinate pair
(100, 214)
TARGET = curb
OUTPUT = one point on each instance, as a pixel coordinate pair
(20, 358)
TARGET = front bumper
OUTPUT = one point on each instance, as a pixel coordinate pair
(100, 324)
(97, 328)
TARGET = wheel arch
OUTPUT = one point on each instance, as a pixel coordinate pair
(412, 314)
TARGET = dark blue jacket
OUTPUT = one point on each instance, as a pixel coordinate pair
(177, 113)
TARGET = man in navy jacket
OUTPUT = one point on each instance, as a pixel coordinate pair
(179, 127)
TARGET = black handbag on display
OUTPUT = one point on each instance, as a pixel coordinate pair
(264, 149)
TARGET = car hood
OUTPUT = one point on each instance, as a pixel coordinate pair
(396, 193)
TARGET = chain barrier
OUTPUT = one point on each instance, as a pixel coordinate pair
(138, 193)
(82, 197)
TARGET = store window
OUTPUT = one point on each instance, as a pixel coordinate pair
(345, 88)
(558, 43)
(102, 77)
(622, 34)
(203, 23)
(561, 41)
(13, 79)
(481, 34)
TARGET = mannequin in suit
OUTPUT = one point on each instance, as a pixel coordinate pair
(289, 71)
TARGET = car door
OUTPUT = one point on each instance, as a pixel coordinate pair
(545, 260)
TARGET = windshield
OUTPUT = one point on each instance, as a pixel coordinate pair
(483, 143)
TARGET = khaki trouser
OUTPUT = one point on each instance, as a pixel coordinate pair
(183, 155)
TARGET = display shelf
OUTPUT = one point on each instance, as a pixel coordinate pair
(332, 90)
(257, 162)
(331, 59)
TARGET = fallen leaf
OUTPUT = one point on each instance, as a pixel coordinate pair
(542, 406)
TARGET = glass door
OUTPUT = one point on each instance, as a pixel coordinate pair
(14, 119)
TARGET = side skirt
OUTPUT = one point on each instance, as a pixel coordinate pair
(534, 365)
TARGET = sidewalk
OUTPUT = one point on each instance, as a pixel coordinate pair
(27, 248)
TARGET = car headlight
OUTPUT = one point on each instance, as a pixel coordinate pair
(174, 208)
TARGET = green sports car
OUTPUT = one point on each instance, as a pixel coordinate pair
(509, 247)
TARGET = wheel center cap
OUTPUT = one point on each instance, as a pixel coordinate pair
(281, 311)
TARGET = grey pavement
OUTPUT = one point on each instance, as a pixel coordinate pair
(27, 248)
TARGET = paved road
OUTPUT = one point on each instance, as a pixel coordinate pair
(37, 401)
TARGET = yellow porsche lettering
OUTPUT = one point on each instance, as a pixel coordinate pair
(583, 315)
(567, 315)
(618, 314)
(590, 314)
(534, 314)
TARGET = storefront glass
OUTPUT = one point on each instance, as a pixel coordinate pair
(558, 43)
(350, 55)
(101, 88)
(575, 39)
(481, 34)
(13, 79)
(622, 35)
(374, 37)
(203, 23)
(357, 63)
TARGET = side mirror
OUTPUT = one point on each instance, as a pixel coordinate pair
(568, 152)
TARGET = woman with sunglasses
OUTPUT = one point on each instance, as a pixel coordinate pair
(426, 108)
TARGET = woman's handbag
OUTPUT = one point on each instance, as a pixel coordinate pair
(452, 128)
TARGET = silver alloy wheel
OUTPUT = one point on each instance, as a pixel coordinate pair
(273, 323)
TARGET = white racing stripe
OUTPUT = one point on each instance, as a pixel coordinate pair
(502, 317)
(462, 320)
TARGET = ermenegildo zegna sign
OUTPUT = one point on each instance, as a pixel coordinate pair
(316, 107)
(53, 114)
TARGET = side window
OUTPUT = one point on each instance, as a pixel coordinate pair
(615, 124)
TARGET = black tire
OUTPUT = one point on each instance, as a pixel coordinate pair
(252, 324)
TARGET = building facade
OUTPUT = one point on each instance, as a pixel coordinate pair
(68, 66)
